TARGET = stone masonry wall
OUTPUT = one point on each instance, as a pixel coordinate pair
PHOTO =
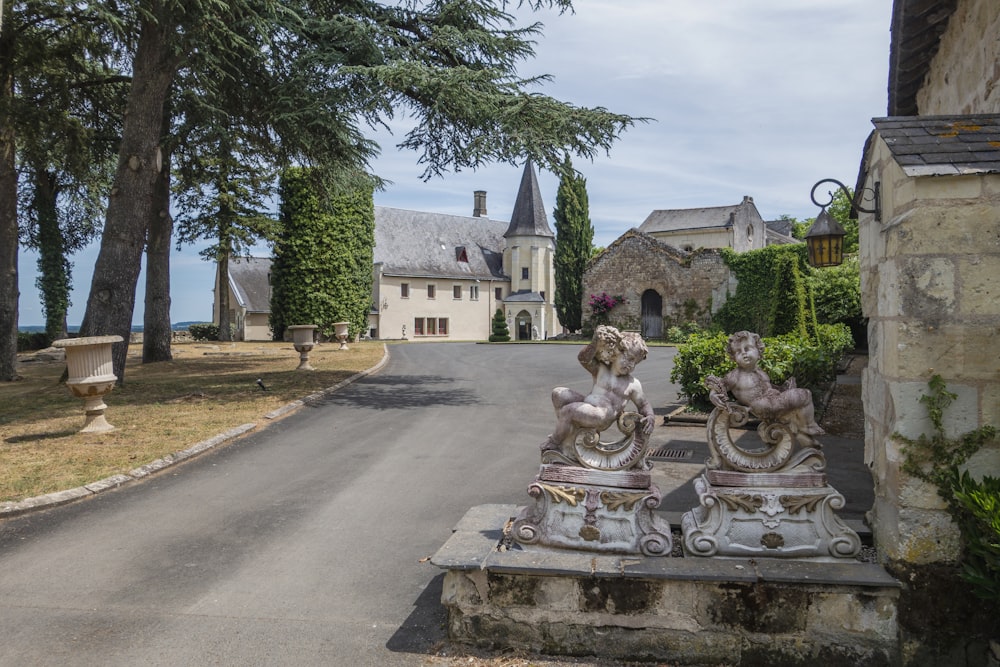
(692, 285)
(930, 275)
(965, 74)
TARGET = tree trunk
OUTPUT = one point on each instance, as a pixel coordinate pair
(225, 326)
(131, 205)
(156, 328)
(8, 218)
(53, 271)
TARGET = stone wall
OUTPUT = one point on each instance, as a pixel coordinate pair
(692, 285)
(965, 74)
(930, 283)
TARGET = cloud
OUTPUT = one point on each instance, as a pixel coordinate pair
(749, 98)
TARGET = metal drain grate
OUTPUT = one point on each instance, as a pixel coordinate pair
(671, 454)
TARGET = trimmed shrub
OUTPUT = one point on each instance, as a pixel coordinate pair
(204, 331)
(28, 341)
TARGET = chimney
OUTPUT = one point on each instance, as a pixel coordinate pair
(479, 206)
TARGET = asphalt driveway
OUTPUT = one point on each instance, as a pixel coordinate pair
(305, 543)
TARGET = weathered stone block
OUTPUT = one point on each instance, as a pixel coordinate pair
(980, 285)
(937, 188)
(927, 536)
(927, 288)
(911, 420)
(943, 230)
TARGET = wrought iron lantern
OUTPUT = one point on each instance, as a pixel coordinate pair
(825, 238)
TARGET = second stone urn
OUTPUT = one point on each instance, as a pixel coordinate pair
(340, 331)
(91, 376)
(302, 339)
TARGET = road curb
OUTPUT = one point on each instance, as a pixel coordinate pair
(11, 509)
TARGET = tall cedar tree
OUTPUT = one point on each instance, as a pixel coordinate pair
(450, 66)
(574, 246)
(322, 271)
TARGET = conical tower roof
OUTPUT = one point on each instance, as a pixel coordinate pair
(528, 218)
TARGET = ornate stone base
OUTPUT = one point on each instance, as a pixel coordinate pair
(775, 522)
(593, 510)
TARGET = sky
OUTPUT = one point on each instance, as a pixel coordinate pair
(745, 98)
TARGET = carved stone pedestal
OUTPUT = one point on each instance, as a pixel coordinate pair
(594, 510)
(771, 500)
(768, 521)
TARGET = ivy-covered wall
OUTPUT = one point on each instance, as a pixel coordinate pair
(322, 271)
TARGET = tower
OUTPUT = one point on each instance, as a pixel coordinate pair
(528, 258)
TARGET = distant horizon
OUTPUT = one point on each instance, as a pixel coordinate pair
(74, 328)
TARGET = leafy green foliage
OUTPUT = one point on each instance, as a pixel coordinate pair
(204, 331)
(32, 340)
(681, 332)
(574, 245)
(836, 292)
(500, 332)
(812, 364)
(974, 506)
(771, 295)
(322, 270)
(979, 522)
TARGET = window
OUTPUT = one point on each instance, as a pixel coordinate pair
(404, 290)
(431, 291)
(542, 294)
(524, 273)
(430, 326)
(474, 292)
(456, 292)
(498, 293)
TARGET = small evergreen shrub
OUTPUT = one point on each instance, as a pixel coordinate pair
(500, 334)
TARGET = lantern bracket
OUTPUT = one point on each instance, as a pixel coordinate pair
(876, 197)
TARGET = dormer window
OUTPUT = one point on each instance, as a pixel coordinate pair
(461, 255)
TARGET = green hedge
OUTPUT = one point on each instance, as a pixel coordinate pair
(30, 341)
(812, 362)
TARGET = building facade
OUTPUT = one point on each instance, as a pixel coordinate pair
(437, 276)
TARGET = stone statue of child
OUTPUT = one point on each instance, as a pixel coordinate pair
(610, 357)
(753, 388)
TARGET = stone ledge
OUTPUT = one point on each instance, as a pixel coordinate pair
(475, 544)
(688, 610)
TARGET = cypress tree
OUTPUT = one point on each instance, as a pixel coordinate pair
(574, 244)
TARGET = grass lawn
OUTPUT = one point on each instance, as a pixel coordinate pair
(165, 407)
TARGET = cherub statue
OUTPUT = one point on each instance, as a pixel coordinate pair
(753, 388)
(610, 357)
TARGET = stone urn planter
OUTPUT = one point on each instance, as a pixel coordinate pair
(91, 376)
(302, 339)
(340, 331)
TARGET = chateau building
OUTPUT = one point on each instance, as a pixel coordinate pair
(438, 276)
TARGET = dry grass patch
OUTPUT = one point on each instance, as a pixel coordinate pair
(164, 407)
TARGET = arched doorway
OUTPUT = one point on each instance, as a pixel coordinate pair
(652, 314)
(522, 325)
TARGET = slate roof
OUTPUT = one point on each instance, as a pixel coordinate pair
(943, 145)
(528, 218)
(524, 296)
(675, 220)
(420, 244)
(779, 232)
(248, 277)
(915, 35)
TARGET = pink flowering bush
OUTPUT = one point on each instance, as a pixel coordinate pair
(602, 304)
